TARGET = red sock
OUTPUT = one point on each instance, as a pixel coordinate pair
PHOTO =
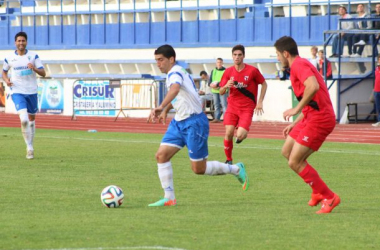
(228, 146)
(311, 177)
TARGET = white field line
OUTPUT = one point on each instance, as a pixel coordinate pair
(359, 152)
(116, 248)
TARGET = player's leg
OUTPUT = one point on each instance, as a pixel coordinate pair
(308, 140)
(245, 121)
(170, 145)
(241, 134)
(21, 107)
(205, 167)
(32, 106)
(230, 122)
(196, 141)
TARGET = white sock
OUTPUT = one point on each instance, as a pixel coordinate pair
(25, 129)
(218, 168)
(32, 125)
(165, 172)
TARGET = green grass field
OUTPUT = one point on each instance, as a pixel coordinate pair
(53, 201)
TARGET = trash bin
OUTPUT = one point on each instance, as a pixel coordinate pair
(294, 102)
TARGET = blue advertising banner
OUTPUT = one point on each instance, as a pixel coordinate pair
(50, 96)
(94, 98)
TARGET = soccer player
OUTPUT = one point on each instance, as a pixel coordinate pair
(24, 65)
(307, 133)
(189, 128)
(242, 80)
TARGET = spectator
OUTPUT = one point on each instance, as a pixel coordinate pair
(220, 101)
(321, 65)
(359, 40)
(314, 57)
(283, 74)
(204, 90)
(376, 26)
(336, 49)
(376, 92)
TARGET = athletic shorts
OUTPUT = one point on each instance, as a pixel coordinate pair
(313, 133)
(29, 102)
(192, 132)
(238, 118)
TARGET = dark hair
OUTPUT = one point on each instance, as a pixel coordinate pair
(239, 47)
(341, 6)
(23, 34)
(219, 59)
(165, 50)
(203, 73)
(286, 43)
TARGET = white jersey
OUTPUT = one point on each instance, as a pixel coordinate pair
(23, 79)
(187, 102)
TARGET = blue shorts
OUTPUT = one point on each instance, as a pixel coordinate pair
(192, 132)
(29, 102)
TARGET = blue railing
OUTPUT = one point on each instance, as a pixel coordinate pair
(253, 24)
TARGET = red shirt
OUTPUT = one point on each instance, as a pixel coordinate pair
(320, 104)
(328, 69)
(377, 79)
(249, 78)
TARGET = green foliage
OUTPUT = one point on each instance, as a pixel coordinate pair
(53, 201)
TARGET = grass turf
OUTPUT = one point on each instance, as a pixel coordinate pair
(53, 201)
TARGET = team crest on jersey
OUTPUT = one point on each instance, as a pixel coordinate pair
(246, 78)
(29, 58)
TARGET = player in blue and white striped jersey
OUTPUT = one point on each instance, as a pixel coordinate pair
(189, 128)
(24, 65)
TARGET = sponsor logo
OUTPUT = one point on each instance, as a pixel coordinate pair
(306, 138)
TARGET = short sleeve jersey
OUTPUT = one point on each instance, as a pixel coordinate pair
(299, 72)
(23, 79)
(249, 78)
(187, 102)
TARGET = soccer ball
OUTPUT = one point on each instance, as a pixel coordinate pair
(112, 196)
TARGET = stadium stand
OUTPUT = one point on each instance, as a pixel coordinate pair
(98, 38)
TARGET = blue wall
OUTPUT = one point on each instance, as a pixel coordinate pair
(259, 31)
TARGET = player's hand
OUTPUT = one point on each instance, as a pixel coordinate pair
(259, 109)
(31, 66)
(287, 130)
(8, 82)
(289, 113)
(229, 84)
(154, 114)
(162, 117)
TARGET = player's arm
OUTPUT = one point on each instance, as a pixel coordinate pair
(6, 78)
(288, 128)
(259, 107)
(40, 71)
(311, 88)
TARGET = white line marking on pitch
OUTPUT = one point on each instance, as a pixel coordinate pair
(117, 248)
(340, 151)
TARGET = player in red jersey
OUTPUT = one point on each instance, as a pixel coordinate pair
(242, 80)
(317, 120)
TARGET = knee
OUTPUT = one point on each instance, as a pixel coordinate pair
(295, 165)
(160, 157)
(198, 171)
(24, 123)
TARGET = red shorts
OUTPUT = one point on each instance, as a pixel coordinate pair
(313, 133)
(238, 118)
